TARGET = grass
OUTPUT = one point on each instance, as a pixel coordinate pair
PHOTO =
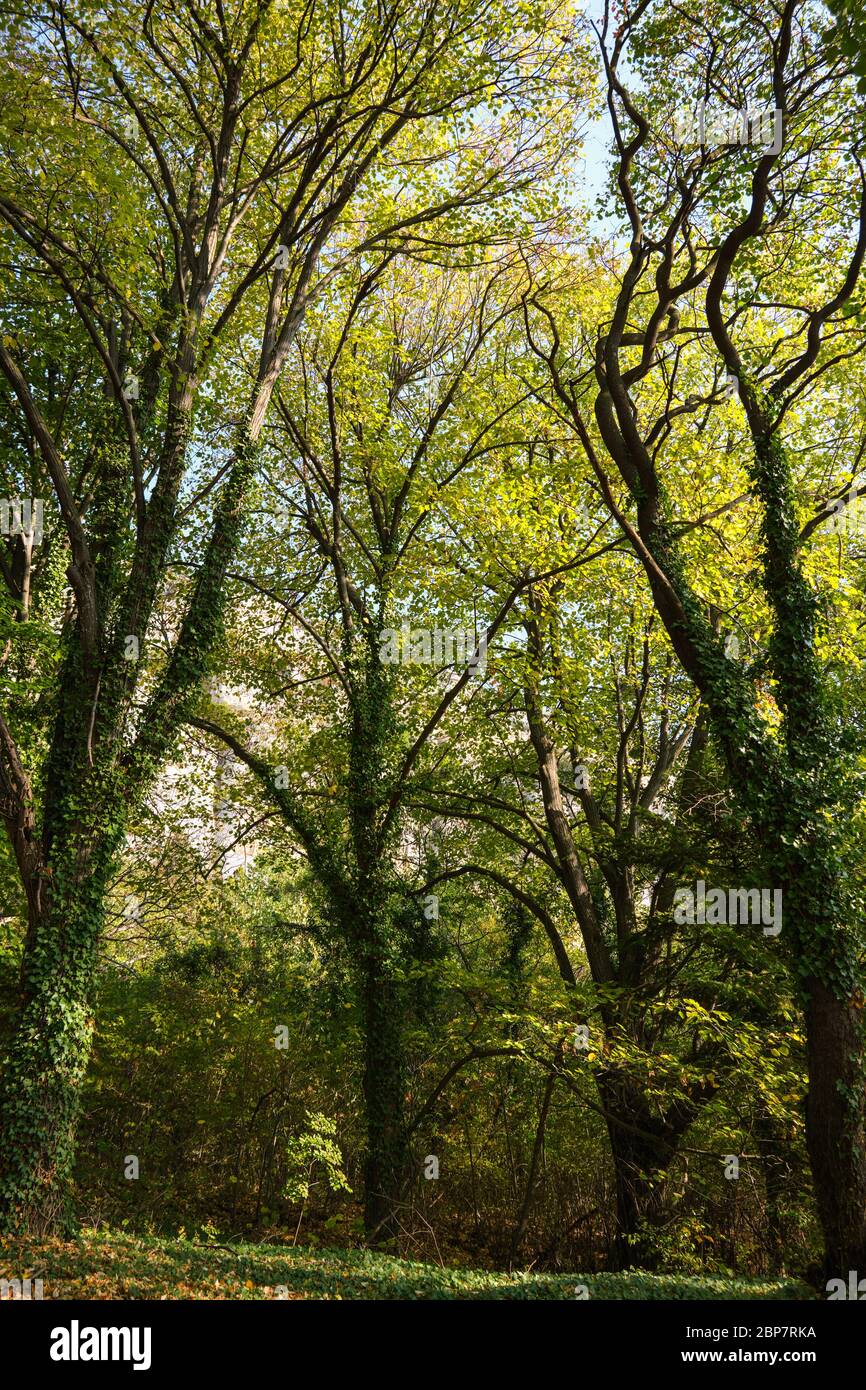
(111, 1265)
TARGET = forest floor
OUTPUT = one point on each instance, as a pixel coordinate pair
(100, 1265)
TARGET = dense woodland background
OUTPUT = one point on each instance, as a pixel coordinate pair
(453, 550)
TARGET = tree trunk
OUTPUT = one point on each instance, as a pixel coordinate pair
(835, 1126)
(385, 1165)
(639, 1196)
(49, 1051)
(642, 1146)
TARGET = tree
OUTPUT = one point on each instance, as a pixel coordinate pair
(196, 171)
(704, 298)
(392, 407)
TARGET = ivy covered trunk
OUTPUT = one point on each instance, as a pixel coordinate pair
(49, 1053)
(385, 1162)
(50, 1047)
(377, 931)
(804, 836)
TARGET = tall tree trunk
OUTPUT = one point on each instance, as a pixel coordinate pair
(642, 1148)
(41, 1084)
(835, 1125)
(385, 1164)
